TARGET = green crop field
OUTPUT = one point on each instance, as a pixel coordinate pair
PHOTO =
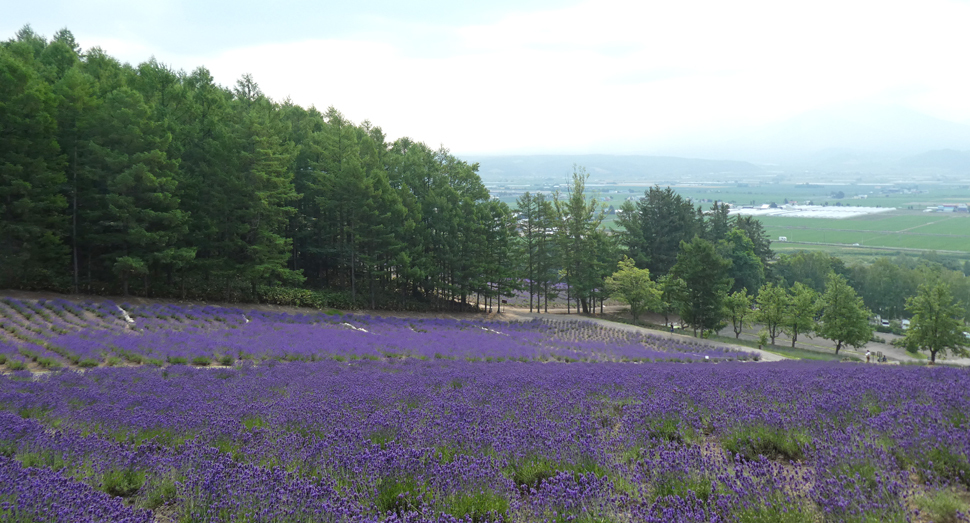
(898, 229)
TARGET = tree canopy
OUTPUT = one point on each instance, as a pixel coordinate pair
(937, 324)
(845, 319)
(705, 276)
(633, 287)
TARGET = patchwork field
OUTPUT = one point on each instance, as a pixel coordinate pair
(347, 418)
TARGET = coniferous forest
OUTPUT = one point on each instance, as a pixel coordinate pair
(141, 179)
(120, 179)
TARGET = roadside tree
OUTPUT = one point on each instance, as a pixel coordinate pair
(845, 319)
(737, 308)
(772, 307)
(802, 308)
(937, 324)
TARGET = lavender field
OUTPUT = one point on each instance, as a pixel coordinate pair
(57, 334)
(290, 418)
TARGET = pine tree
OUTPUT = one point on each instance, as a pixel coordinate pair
(705, 275)
(32, 223)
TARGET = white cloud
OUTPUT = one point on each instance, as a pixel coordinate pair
(616, 71)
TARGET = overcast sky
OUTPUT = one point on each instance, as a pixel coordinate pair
(537, 76)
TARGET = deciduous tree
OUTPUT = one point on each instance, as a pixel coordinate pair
(802, 308)
(772, 307)
(633, 287)
(737, 308)
(845, 319)
(937, 323)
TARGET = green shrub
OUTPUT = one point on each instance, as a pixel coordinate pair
(16, 364)
(773, 443)
(42, 459)
(777, 510)
(226, 360)
(48, 363)
(383, 436)
(400, 495)
(529, 473)
(944, 464)
(29, 354)
(124, 482)
(201, 361)
(682, 486)
(942, 506)
(485, 505)
(253, 422)
(296, 297)
(132, 357)
(159, 494)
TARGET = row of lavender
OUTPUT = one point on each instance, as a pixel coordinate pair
(58, 333)
(457, 441)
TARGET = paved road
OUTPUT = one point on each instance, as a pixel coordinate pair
(513, 314)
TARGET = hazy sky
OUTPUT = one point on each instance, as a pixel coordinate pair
(534, 76)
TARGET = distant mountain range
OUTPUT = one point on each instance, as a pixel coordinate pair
(857, 132)
(942, 160)
(858, 140)
(606, 167)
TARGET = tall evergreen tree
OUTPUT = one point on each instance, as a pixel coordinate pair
(705, 275)
(656, 226)
(32, 223)
(578, 221)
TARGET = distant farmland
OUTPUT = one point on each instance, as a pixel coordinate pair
(897, 230)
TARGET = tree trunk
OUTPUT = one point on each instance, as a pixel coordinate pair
(373, 298)
(74, 220)
(353, 278)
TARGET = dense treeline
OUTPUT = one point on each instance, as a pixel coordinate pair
(116, 178)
